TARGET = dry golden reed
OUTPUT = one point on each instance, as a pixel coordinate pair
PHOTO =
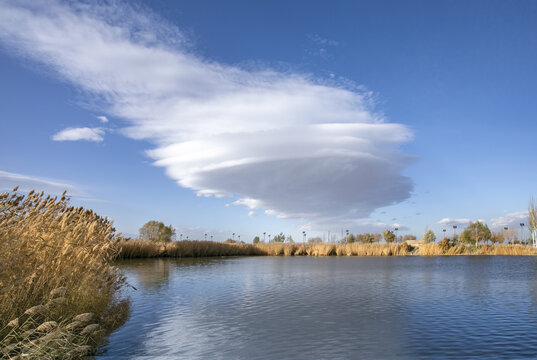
(48, 248)
(444, 249)
(145, 249)
(133, 249)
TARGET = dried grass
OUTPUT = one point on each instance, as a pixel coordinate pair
(55, 264)
(133, 249)
(358, 249)
(506, 250)
(145, 249)
(445, 249)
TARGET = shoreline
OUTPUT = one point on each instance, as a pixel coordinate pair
(137, 249)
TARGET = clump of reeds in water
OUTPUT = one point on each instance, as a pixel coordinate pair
(46, 245)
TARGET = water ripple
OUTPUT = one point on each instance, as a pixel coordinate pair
(330, 308)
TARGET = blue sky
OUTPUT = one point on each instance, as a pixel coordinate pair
(275, 116)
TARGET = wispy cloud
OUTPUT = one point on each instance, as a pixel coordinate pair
(102, 119)
(320, 46)
(284, 142)
(322, 41)
(26, 183)
(83, 133)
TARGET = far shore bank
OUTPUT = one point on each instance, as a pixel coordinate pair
(136, 249)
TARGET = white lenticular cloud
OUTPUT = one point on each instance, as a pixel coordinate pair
(75, 134)
(282, 142)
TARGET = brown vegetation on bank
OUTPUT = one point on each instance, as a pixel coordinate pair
(133, 249)
(145, 249)
(446, 248)
(55, 266)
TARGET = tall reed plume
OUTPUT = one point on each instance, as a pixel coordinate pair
(46, 245)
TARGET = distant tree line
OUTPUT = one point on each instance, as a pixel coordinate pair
(474, 234)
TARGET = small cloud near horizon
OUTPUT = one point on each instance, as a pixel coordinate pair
(456, 222)
(82, 133)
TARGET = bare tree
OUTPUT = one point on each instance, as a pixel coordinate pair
(509, 234)
(409, 237)
(532, 210)
(497, 237)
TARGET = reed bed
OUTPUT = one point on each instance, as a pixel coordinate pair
(358, 249)
(445, 249)
(144, 249)
(440, 249)
(46, 245)
(133, 249)
(506, 250)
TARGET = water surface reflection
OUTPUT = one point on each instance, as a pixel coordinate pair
(330, 308)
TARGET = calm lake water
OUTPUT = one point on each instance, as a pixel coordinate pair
(330, 308)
